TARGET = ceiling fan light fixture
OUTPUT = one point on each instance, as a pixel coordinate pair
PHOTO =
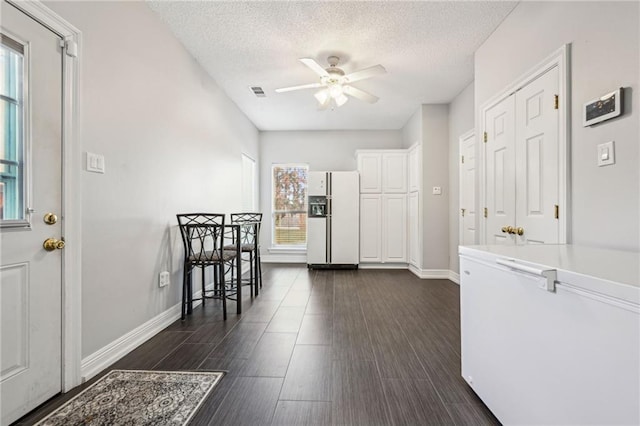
(335, 90)
(322, 96)
(341, 100)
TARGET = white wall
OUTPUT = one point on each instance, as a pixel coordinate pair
(461, 120)
(322, 150)
(172, 143)
(605, 47)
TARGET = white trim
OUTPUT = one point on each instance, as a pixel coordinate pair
(430, 274)
(383, 266)
(559, 58)
(106, 356)
(284, 258)
(455, 277)
(71, 192)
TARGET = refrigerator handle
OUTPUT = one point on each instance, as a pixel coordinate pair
(550, 275)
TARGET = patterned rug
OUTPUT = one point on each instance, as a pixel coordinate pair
(131, 397)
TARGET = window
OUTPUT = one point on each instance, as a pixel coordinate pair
(289, 183)
(12, 150)
(248, 184)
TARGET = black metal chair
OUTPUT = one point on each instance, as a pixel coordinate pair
(203, 239)
(250, 243)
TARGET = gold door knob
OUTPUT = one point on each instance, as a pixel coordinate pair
(51, 244)
(519, 230)
(50, 219)
(505, 229)
(511, 230)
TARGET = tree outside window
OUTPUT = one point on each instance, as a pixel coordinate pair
(289, 204)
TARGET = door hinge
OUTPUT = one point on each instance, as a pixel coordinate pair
(556, 102)
(486, 212)
(70, 48)
(463, 159)
(462, 212)
(485, 137)
(557, 212)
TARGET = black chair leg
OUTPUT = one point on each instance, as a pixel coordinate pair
(203, 292)
(223, 291)
(190, 292)
(259, 267)
(184, 292)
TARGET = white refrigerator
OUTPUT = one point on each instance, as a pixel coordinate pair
(333, 229)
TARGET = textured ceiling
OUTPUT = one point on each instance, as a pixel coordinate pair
(426, 47)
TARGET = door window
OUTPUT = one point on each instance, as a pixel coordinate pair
(13, 151)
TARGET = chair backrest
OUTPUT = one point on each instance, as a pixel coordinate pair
(249, 226)
(202, 235)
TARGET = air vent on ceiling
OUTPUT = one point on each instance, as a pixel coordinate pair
(257, 90)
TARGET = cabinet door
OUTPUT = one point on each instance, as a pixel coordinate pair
(414, 229)
(370, 168)
(394, 172)
(370, 228)
(394, 218)
(415, 168)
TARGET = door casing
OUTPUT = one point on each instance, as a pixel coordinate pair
(71, 188)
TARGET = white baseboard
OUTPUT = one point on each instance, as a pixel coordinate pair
(104, 357)
(455, 277)
(431, 274)
(382, 266)
(284, 258)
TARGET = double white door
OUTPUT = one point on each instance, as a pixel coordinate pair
(30, 276)
(522, 165)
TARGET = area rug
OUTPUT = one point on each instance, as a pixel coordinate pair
(135, 397)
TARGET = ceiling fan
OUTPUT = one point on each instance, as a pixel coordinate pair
(335, 84)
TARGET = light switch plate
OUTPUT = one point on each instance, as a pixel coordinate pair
(606, 154)
(95, 163)
(437, 190)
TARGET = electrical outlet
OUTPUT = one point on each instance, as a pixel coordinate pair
(163, 279)
(437, 190)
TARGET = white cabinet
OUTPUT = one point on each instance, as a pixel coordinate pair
(394, 173)
(370, 168)
(384, 180)
(370, 228)
(383, 228)
(383, 172)
(394, 233)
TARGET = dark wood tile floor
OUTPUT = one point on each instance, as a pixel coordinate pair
(323, 347)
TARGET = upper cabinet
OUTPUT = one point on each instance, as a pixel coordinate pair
(383, 172)
(370, 168)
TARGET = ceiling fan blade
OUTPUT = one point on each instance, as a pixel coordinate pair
(316, 67)
(364, 73)
(360, 94)
(303, 86)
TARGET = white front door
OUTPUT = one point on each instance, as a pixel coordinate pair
(468, 189)
(500, 171)
(537, 160)
(30, 276)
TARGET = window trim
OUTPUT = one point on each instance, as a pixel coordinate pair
(284, 247)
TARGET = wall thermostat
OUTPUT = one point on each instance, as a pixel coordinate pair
(603, 108)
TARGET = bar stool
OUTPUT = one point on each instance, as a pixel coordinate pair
(203, 240)
(250, 243)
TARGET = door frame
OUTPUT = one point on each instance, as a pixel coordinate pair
(561, 59)
(71, 188)
(463, 137)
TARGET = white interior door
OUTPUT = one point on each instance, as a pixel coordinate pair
(30, 276)
(500, 171)
(468, 189)
(537, 160)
